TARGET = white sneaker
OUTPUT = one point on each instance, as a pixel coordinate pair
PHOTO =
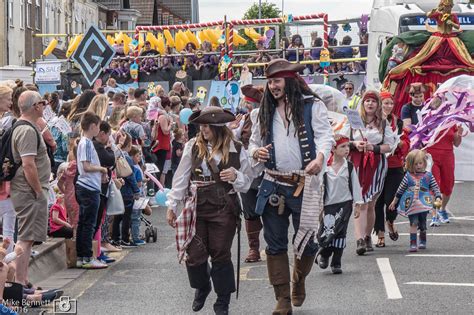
(93, 264)
(434, 221)
(79, 263)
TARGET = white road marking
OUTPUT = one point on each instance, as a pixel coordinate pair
(391, 286)
(443, 234)
(440, 255)
(466, 218)
(450, 284)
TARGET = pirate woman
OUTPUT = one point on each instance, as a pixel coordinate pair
(212, 170)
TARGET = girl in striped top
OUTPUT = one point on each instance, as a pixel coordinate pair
(414, 196)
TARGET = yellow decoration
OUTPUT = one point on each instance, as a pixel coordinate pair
(111, 40)
(126, 43)
(211, 35)
(169, 38)
(160, 44)
(239, 40)
(141, 42)
(250, 32)
(180, 41)
(203, 37)
(50, 47)
(152, 39)
(192, 38)
(73, 45)
(119, 38)
(324, 56)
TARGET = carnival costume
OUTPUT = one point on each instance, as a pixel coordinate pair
(207, 224)
(287, 189)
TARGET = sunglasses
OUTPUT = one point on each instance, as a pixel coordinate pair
(43, 103)
(348, 89)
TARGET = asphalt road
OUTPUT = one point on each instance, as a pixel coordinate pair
(440, 279)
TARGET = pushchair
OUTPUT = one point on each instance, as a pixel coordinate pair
(151, 232)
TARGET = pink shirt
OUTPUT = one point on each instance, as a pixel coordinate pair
(4, 190)
(53, 226)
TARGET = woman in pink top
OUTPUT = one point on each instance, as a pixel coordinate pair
(58, 224)
(66, 186)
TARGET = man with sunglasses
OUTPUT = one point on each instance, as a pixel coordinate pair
(353, 100)
(29, 187)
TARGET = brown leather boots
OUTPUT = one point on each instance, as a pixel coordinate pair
(279, 275)
(301, 269)
(253, 228)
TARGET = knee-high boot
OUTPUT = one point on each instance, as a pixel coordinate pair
(301, 269)
(223, 278)
(199, 279)
(253, 228)
(279, 275)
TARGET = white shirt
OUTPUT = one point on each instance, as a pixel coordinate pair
(87, 152)
(183, 174)
(287, 147)
(373, 135)
(337, 189)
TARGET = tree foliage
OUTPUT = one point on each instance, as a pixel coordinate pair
(268, 10)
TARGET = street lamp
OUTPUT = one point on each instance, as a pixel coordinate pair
(259, 9)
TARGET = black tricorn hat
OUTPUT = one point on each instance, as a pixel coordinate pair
(212, 115)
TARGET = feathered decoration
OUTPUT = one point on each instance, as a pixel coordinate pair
(363, 24)
(269, 33)
(333, 31)
(456, 107)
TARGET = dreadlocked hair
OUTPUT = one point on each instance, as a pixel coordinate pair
(222, 136)
(295, 90)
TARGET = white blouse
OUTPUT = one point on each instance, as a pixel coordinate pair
(183, 174)
(287, 147)
(337, 189)
(373, 135)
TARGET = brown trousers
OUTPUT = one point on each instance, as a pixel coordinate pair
(215, 230)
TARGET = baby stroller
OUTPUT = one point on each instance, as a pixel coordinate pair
(151, 232)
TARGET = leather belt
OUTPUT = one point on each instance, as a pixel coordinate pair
(293, 180)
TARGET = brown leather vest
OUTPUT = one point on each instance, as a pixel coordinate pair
(215, 194)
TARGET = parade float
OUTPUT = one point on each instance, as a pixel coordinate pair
(430, 57)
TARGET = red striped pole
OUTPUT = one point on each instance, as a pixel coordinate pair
(326, 45)
(176, 27)
(230, 45)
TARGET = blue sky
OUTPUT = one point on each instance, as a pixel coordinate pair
(213, 10)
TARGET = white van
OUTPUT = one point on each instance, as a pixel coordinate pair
(393, 17)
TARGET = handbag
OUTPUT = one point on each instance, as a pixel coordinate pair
(115, 205)
(122, 168)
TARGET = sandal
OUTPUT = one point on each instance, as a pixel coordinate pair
(393, 234)
(380, 242)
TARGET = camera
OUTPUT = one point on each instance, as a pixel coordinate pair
(65, 305)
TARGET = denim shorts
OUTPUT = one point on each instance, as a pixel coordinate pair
(419, 219)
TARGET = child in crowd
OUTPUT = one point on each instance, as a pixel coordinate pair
(414, 198)
(136, 156)
(58, 223)
(66, 181)
(130, 192)
(88, 188)
(178, 147)
(133, 126)
(342, 189)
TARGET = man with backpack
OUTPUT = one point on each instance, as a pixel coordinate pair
(29, 186)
